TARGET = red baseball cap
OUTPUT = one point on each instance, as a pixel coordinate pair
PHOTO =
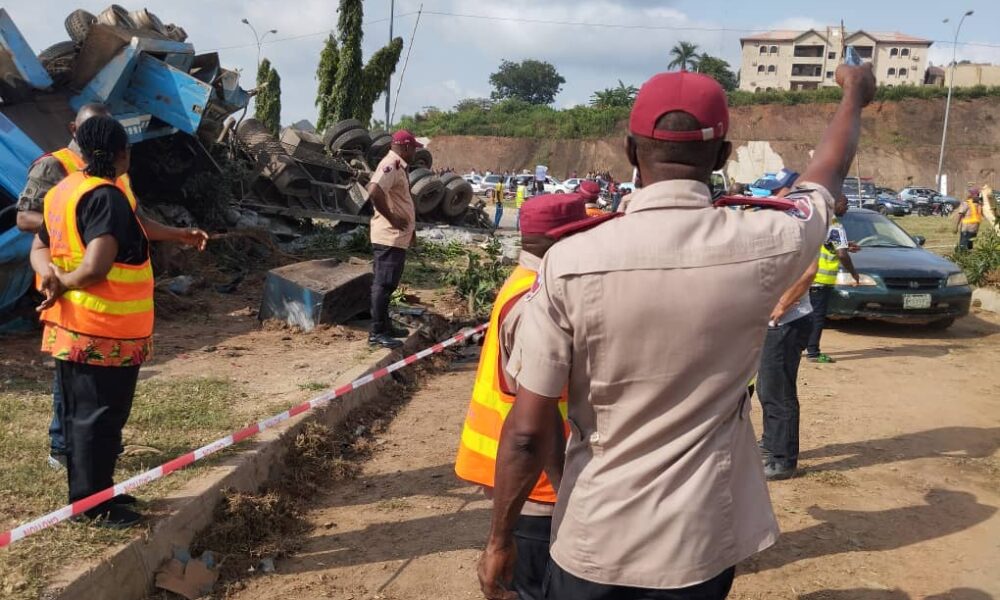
(404, 137)
(698, 95)
(589, 190)
(551, 211)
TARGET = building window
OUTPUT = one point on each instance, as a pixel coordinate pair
(771, 69)
(905, 52)
(763, 49)
(774, 49)
(892, 71)
(760, 69)
(829, 74)
(894, 52)
(831, 56)
(902, 72)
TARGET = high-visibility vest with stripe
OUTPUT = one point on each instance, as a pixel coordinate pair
(72, 162)
(974, 216)
(829, 265)
(121, 306)
(522, 191)
(477, 451)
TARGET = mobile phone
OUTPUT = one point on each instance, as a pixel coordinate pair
(851, 57)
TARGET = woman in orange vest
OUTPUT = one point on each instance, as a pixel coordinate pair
(92, 260)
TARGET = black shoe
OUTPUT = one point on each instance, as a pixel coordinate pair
(57, 461)
(124, 500)
(398, 332)
(384, 340)
(111, 516)
(775, 472)
(765, 454)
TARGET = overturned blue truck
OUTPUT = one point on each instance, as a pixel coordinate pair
(173, 103)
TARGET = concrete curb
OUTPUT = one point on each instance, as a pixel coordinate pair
(127, 573)
(988, 299)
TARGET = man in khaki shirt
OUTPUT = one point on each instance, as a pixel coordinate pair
(663, 490)
(392, 230)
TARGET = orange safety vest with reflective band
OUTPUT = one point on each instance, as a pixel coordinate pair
(121, 306)
(974, 216)
(477, 452)
(72, 162)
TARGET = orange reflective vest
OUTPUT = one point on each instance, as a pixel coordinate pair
(974, 216)
(121, 306)
(594, 210)
(72, 162)
(477, 452)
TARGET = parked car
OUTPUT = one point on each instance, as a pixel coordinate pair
(900, 281)
(476, 181)
(571, 183)
(911, 195)
(490, 183)
(888, 205)
(761, 187)
(860, 191)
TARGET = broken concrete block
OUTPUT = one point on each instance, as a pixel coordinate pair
(310, 293)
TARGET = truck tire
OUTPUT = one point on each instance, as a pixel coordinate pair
(427, 194)
(355, 139)
(334, 131)
(144, 19)
(57, 60)
(416, 175)
(78, 25)
(379, 148)
(116, 16)
(423, 159)
(457, 197)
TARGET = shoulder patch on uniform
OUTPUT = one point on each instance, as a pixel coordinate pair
(387, 169)
(803, 209)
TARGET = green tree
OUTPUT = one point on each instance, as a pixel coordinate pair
(268, 100)
(717, 69)
(533, 81)
(474, 104)
(621, 96)
(685, 54)
(348, 89)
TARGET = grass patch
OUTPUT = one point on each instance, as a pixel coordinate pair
(168, 419)
(830, 478)
(939, 231)
(313, 386)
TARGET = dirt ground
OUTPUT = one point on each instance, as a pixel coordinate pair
(897, 500)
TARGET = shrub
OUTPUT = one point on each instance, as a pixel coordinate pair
(982, 264)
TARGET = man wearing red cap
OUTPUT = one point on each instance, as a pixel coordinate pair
(543, 220)
(662, 491)
(589, 191)
(392, 228)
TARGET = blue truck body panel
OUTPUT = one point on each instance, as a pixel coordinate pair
(173, 96)
(24, 58)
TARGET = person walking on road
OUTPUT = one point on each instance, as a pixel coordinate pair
(392, 232)
(967, 220)
(833, 254)
(92, 260)
(43, 175)
(497, 205)
(519, 198)
(656, 342)
(543, 222)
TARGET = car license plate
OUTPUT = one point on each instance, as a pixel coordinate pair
(916, 301)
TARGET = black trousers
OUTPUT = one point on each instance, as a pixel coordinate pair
(777, 388)
(819, 297)
(531, 537)
(388, 267)
(560, 585)
(965, 239)
(96, 404)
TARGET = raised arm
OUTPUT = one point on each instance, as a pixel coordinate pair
(835, 153)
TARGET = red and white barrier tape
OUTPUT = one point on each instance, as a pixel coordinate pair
(71, 510)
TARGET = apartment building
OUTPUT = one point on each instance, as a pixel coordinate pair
(806, 60)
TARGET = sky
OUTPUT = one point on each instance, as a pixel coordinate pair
(456, 44)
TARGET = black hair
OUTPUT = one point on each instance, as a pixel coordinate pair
(101, 139)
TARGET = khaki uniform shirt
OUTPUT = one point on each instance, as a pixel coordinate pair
(657, 338)
(391, 176)
(43, 175)
(963, 211)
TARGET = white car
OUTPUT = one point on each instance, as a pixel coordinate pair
(476, 181)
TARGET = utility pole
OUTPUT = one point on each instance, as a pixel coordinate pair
(258, 38)
(947, 105)
(388, 79)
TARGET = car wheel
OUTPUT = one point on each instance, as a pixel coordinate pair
(882, 210)
(924, 211)
(78, 25)
(941, 323)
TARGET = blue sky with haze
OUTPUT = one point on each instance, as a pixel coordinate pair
(452, 56)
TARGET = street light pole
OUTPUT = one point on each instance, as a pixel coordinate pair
(258, 38)
(951, 86)
(388, 79)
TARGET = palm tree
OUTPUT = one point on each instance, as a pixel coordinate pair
(685, 54)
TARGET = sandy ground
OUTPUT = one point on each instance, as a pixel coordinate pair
(897, 500)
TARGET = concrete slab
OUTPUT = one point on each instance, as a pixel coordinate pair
(127, 572)
(987, 299)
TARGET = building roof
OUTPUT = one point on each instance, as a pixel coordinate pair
(788, 35)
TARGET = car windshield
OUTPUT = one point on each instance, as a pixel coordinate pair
(492, 179)
(868, 188)
(870, 230)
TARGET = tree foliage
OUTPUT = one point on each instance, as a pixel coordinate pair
(717, 69)
(533, 81)
(685, 55)
(268, 99)
(347, 89)
(616, 97)
(480, 104)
